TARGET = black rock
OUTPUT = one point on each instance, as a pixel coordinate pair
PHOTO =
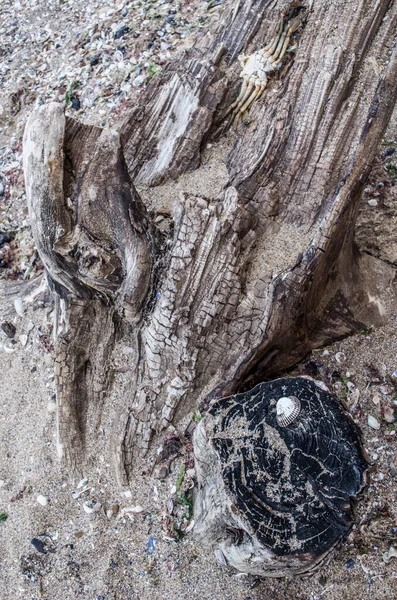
(120, 32)
(94, 60)
(349, 564)
(312, 368)
(75, 102)
(8, 328)
(5, 238)
(388, 152)
(39, 545)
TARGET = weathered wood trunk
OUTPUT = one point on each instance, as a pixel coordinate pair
(247, 279)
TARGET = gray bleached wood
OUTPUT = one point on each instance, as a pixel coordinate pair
(247, 283)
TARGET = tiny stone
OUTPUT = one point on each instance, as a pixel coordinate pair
(376, 399)
(373, 202)
(51, 407)
(162, 472)
(79, 534)
(128, 494)
(388, 414)
(9, 329)
(19, 307)
(349, 564)
(1, 189)
(385, 390)
(372, 422)
(23, 338)
(138, 81)
(115, 509)
(38, 544)
(122, 31)
(75, 102)
(380, 477)
(388, 152)
(134, 509)
(42, 500)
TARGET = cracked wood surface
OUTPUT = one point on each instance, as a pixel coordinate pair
(248, 283)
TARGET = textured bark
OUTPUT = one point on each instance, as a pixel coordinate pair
(249, 282)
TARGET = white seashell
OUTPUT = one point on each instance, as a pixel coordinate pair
(19, 307)
(391, 553)
(220, 557)
(23, 338)
(287, 410)
(133, 509)
(372, 422)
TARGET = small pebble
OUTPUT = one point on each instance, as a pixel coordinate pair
(82, 483)
(385, 390)
(162, 472)
(23, 338)
(134, 509)
(372, 422)
(51, 407)
(75, 102)
(19, 307)
(42, 500)
(388, 414)
(79, 534)
(1, 189)
(349, 564)
(388, 152)
(376, 399)
(91, 507)
(120, 32)
(373, 202)
(152, 545)
(38, 544)
(8, 328)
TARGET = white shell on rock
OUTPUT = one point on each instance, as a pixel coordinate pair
(287, 410)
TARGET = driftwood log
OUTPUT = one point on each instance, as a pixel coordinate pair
(278, 470)
(247, 275)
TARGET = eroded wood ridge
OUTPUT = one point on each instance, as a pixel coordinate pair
(97, 245)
